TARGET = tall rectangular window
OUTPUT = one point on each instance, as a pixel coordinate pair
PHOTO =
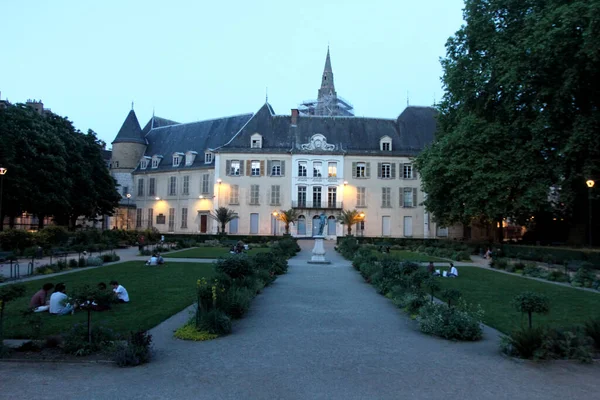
(302, 167)
(331, 197)
(361, 170)
(317, 169)
(254, 194)
(301, 196)
(386, 170)
(125, 191)
(409, 197)
(255, 168)
(386, 197)
(140, 191)
(407, 171)
(205, 183)
(138, 218)
(152, 187)
(317, 196)
(171, 220)
(186, 185)
(361, 197)
(184, 218)
(234, 169)
(172, 186)
(332, 170)
(276, 168)
(234, 194)
(150, 217)
(275, 195)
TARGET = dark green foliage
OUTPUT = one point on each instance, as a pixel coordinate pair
(236, 301)
(265, 276)
(451, 296)
(533, 271)
(499, 263)
(73, 263)
(592, 329)
(454, 323)
(76, 340)
(557, 276)
(432, 285)
(584, 277)
(271, 262)
(236, 266)
(524, 342)
(415, 302)
(286, 247)
(16, 239)
(549, 344)
(558, 255)
(136, 351)
(529, 302)
(215, 321)
(348, 246)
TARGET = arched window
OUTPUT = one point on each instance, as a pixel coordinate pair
(331, 226)
(301, 225)
(316, 222)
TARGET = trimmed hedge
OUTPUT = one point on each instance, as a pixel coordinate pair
(550, 255)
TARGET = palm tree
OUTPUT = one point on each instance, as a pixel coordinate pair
(224, 215)
(288, 217)
(349, 218)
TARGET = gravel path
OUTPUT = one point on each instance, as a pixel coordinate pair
(319, 332)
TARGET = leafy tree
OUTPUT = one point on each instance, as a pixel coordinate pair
(451, 295)
(530, 302)
(518, 120)
(224, 215)
(91, 299)
(433, 285)
(349, 218)
(288, 217)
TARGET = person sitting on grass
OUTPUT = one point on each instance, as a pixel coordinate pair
(58, 301)
(453, 271)
(159, 259)
(120, 292)
(153, 260)
(431, 268)
(39, 301)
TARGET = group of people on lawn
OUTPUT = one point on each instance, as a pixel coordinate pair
(58, 302)
(156, 259)
(453, 273)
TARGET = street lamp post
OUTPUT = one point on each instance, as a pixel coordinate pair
(590, 184)
(275, 214)
(3, 172)
(128, 198)
(219, 181)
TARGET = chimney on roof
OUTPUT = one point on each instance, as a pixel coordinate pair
(295, 114)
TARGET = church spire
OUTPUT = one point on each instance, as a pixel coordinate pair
(327, 86)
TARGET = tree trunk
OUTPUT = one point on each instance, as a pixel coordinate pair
(349, 230)
(223, 227)
(287, 229)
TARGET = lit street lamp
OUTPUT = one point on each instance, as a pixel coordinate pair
(3, 172)
(219, 181)
(128, 198)
(590, 184)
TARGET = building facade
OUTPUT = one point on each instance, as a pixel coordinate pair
(314, 160)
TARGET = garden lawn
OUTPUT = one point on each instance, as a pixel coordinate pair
(156, 293)
(494, 291)
(209, 252)
(406, 255)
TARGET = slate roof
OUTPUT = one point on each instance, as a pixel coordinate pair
(196, 136)
(130, 131)
(413, 129)
(157, 123)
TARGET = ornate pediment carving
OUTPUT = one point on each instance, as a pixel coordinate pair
(318, 142)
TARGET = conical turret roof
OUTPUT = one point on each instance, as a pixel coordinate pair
(131, 131)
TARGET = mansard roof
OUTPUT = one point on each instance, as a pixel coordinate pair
(413, 129)
(130, 131)
(196, 136)
(157, 122)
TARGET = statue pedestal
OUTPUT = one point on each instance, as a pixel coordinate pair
(318, 252)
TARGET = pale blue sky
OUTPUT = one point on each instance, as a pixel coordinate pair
(194, 60)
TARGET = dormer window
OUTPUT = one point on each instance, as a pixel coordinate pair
(177, 159)
(385, 143)
(156, 161)
(144, 162)
(256, 141)
(208, 157)
(190, 156)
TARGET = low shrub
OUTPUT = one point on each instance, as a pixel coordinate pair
(270, 261)
(236, 301)
(348, 246)
(565, 344)
(557, 276)
(236, 266)
(111, 257)
(189, 332)
(76, 340)
(368, 269)
(136, 351)
(73, 263)
(81, 262)
(499, 263)
(523, 343)
(533, 271)
(414, 302)
(592, 329)
(454, 323)
(215, 322)
(584, 277)
(145, 252)
(94, 261)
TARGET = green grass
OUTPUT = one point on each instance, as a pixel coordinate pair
(494, 292)
(156, 293)
(406, 255)
(209, 252)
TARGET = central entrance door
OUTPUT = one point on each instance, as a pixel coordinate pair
(203, 223)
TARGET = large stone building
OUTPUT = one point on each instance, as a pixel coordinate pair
(320, 158)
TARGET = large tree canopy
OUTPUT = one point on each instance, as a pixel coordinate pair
(519, 117)
(53, 169)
